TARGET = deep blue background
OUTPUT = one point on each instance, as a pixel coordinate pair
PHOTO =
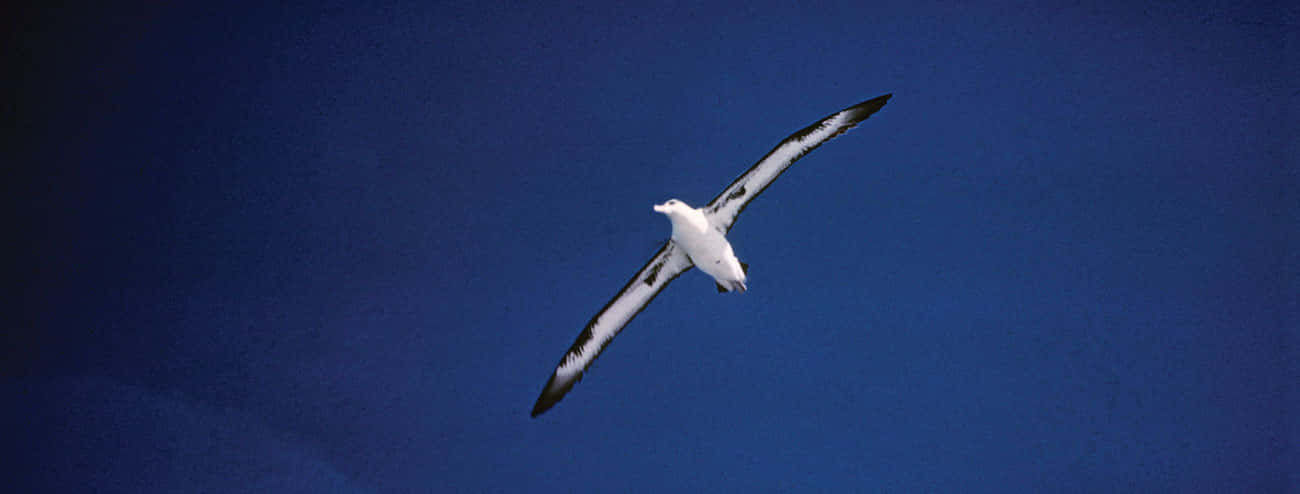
(340, 248)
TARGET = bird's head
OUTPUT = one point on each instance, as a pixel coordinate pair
(671, 207)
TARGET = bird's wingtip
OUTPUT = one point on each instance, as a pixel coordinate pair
(541, 406)
(556, 388)
(544, 403)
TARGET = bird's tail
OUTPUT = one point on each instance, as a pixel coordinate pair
(731, 286)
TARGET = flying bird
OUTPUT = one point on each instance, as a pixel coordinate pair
(699, 239)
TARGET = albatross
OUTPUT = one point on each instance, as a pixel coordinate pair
(699, 238)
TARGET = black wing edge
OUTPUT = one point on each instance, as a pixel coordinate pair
(556, 389)
(857, 113)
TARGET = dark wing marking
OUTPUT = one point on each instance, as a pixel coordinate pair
(724, 208)
(662, 269)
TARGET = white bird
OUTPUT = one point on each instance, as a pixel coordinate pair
(699, 239)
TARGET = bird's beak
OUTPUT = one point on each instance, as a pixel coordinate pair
(661, 208)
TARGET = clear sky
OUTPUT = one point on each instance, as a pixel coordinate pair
(340, 247)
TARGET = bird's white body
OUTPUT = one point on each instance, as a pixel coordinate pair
(705, 244)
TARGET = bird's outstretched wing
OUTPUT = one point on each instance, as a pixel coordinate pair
(664, 267)
(722, 210)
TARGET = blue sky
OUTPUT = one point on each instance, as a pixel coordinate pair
(340, 248)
